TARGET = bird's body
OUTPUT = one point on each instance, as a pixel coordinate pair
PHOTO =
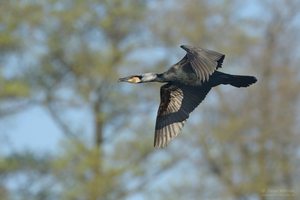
(183, 75)
(188, 82)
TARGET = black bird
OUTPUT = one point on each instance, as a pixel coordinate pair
(188, 82)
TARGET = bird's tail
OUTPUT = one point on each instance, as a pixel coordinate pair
(235, 80)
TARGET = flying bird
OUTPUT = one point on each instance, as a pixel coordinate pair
(188, 82)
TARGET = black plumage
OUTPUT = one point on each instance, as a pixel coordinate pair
(188, 83)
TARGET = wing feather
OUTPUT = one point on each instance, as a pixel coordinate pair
(177, 102)
(203, 61)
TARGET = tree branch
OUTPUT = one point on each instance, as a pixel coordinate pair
(62, 125)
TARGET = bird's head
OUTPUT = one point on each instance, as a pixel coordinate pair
(147, 77)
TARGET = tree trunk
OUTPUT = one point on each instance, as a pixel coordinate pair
(98, 123)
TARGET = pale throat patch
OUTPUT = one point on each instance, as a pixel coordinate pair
(134, 80)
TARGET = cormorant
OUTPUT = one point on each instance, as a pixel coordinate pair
(188, 82)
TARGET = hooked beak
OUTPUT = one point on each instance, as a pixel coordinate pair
(131, 79)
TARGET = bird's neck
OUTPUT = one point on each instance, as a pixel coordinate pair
(160, 78)
(153, 77)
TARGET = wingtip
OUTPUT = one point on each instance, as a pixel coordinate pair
(158, 146)
(159, 143)
(185, 47)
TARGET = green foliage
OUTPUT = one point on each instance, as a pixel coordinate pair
(13, 89)
(76, 48)
(83, 173)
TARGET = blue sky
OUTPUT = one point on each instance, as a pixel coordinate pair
(32, 130)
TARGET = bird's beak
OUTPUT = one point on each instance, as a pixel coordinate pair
(131, 79)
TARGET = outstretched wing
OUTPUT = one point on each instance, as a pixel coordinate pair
(203, 61)
(177, 102)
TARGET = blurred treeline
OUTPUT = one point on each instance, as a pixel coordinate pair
(65, 56)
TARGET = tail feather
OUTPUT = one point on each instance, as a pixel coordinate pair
(241, 81)
(234, 80)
